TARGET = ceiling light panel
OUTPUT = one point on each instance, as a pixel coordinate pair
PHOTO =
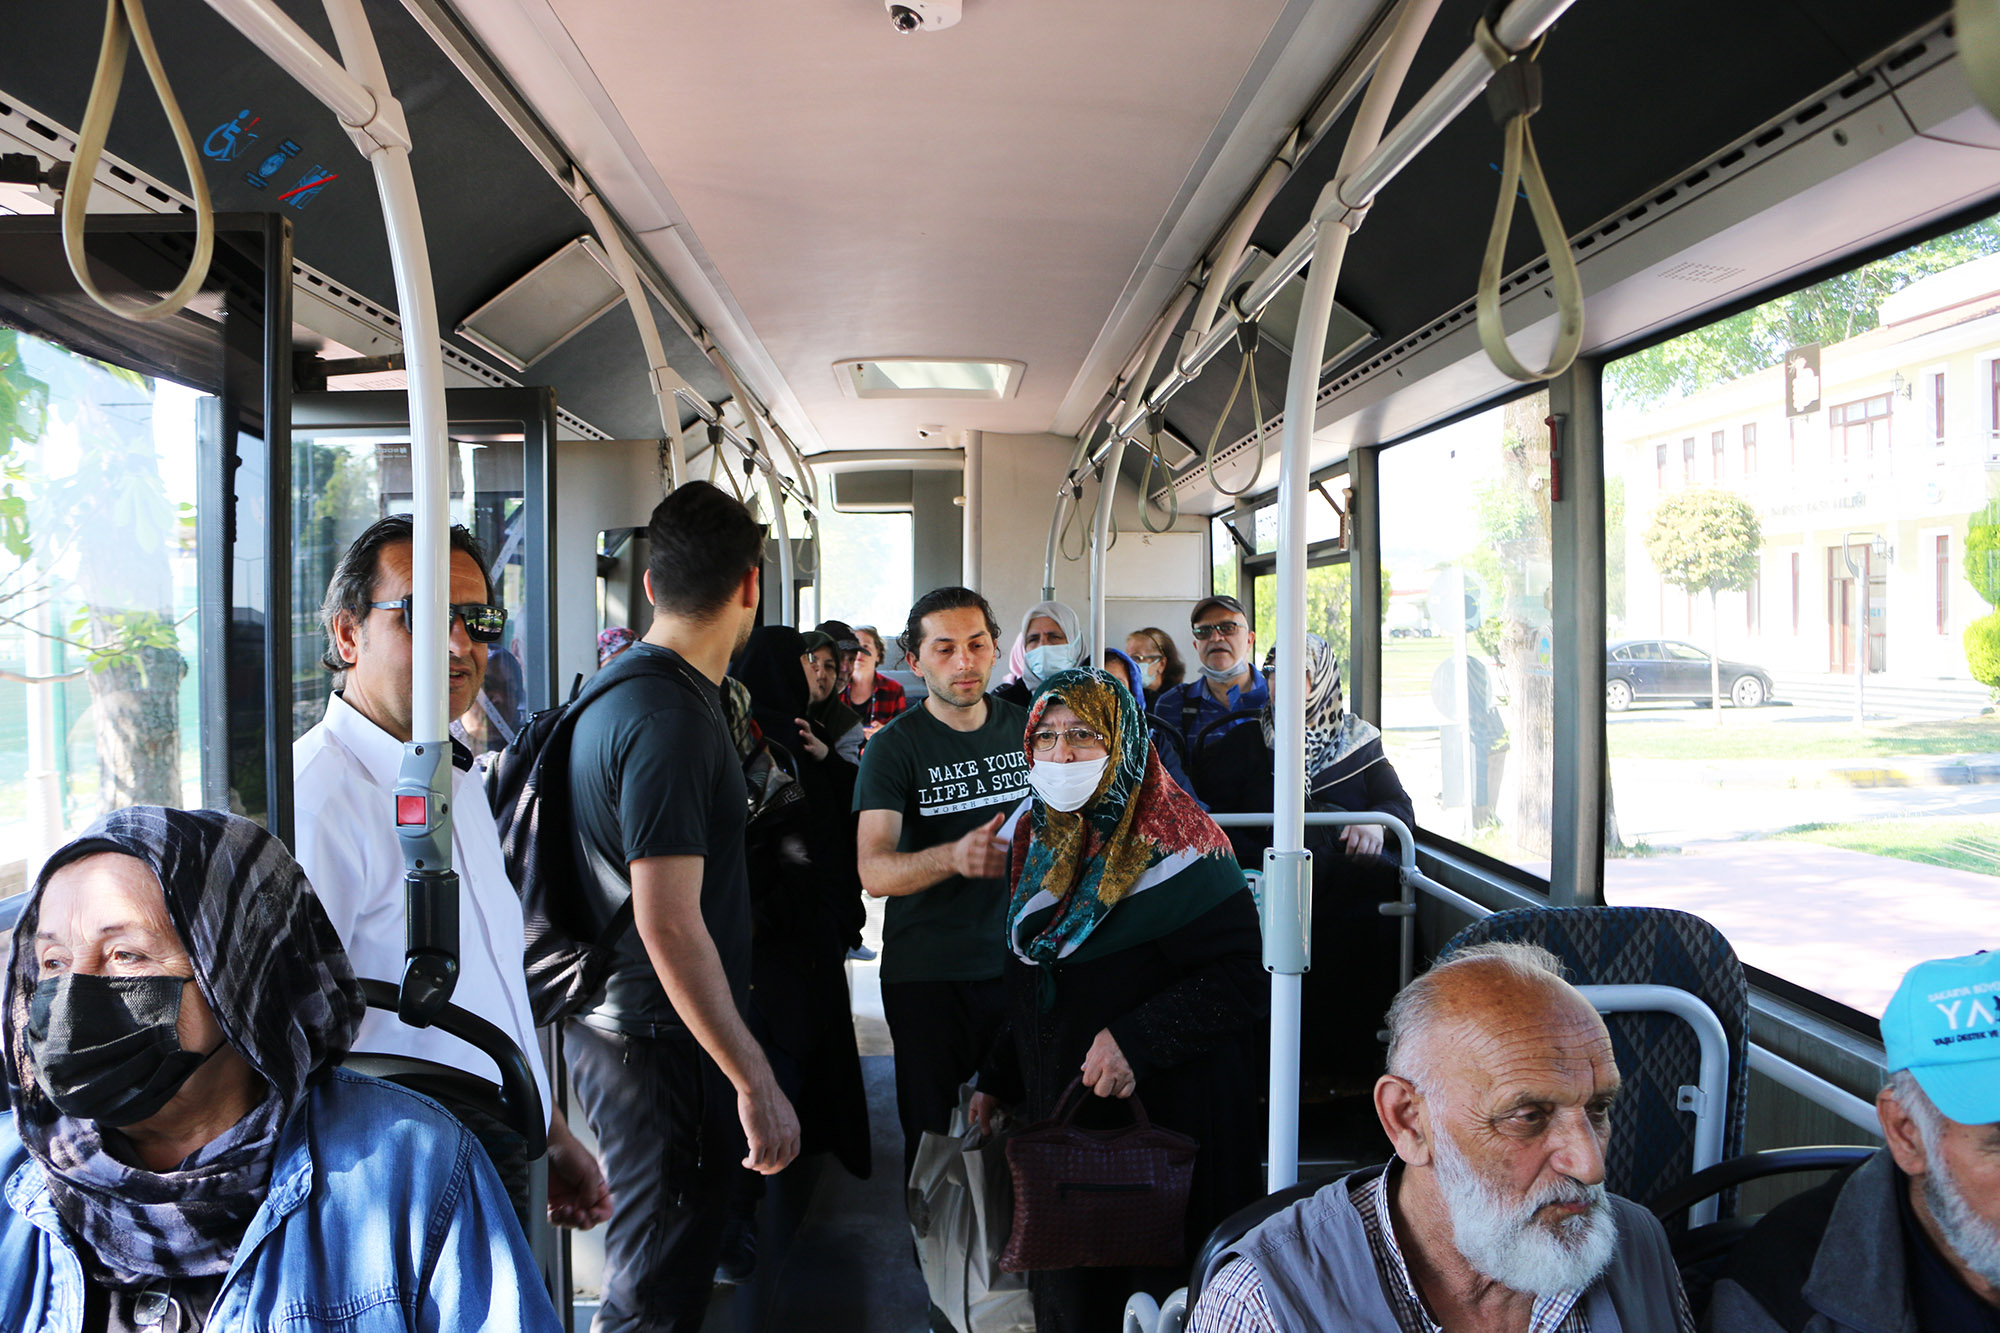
(924, 377)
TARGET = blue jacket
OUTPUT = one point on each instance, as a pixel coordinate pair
(383, 1214)
(1172, 709)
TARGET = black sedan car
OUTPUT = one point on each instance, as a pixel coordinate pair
(1642, 670)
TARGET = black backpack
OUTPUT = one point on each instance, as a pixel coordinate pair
(571, 922)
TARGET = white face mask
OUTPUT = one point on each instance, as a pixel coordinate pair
(1222, 675)
(1067, 786)
(1045, 660)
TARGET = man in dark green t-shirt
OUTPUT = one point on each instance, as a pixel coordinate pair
(937, 786)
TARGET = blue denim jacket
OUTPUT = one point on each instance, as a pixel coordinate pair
(383, 1213)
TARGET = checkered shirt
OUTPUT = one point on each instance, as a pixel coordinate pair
(1234, 1301)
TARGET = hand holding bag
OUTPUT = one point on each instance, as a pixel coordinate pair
(958, 1213)
(1086, 1198)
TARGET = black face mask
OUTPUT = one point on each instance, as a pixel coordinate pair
(107, 1048)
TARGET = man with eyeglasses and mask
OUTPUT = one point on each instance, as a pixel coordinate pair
(1229, 683)
(343, 782)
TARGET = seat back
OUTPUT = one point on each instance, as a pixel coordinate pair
(1652, 1140)
(1235, 1227)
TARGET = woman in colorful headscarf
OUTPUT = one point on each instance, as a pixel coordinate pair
(182, 1152)
(1134, 962)
(1354, 974)
(1053, 638)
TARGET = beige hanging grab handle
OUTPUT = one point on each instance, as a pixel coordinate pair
(1516, 94)
(124, 27)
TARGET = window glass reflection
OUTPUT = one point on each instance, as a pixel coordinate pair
(99, 668)
(1468, 644)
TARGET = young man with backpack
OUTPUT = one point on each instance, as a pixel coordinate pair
(668, 1074)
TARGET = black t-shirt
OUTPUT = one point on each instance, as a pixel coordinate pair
(653, 772)
(945, 783)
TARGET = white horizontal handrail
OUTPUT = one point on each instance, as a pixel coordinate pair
(1852, 1109)
(1711, 1100)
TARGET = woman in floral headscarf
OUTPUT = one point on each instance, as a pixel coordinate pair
(1134, 960)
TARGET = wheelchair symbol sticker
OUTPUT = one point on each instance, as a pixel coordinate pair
(260, 175)
(309, 187)
(231, 139)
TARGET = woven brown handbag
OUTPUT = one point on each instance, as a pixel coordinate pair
(1097, 1198)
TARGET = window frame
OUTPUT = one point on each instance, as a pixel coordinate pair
(251, 268)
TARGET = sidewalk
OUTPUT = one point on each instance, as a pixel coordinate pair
(1926, 770)
(1846, 924)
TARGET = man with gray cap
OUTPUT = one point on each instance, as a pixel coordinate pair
(1909, 1241)
(1228, 683)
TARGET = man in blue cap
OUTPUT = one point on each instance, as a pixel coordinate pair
(1910, 1239)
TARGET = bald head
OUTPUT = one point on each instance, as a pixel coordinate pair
(1483, 1003)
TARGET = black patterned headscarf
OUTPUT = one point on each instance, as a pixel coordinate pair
(272, 970)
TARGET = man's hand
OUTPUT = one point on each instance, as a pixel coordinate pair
(578, 1196)
(1105, 1069)
(770, 1127)
(1362, 840)
(812, 744)
(983, 1109)
(980, 854)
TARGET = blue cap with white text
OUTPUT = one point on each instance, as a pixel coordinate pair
(1943, 1025)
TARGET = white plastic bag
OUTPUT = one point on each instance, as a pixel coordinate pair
(961, 1209)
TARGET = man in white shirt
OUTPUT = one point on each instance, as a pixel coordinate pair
(344, 776)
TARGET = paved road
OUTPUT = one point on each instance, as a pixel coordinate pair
(1843, 923)
(1675, 810)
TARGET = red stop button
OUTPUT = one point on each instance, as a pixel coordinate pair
(411, 810)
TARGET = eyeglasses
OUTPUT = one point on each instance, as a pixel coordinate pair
(1147, 659)
(1226, 628)
(484, 623)
(1077, 738)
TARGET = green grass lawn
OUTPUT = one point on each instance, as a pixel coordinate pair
(1408, 664)
(1760, 735)
(1938, 840)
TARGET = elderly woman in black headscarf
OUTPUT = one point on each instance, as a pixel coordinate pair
(1133, 965)
(182, 1152)
(1353, 977)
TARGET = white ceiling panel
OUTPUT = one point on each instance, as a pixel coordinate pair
(983, 192)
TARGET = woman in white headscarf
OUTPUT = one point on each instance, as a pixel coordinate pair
(1052, 639)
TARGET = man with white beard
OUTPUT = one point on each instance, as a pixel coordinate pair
(1909, 1241)
(1492, 1216)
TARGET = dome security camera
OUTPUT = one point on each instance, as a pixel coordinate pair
(922, 15)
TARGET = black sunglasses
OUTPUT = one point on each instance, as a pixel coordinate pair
(484, 623)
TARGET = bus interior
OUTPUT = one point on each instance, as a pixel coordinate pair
(1118, 304)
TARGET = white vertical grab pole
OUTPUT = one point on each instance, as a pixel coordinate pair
(1289, 761)
(1333, 222)
(430, 883)
(974, 488)
(1107, 493)
(788, 611)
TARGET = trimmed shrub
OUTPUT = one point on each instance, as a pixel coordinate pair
(1982, 650)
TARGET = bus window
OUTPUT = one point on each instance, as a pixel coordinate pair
(100, 689)
(1222, 551)
(867, 571)
(1467, 673)
(1827, 815)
